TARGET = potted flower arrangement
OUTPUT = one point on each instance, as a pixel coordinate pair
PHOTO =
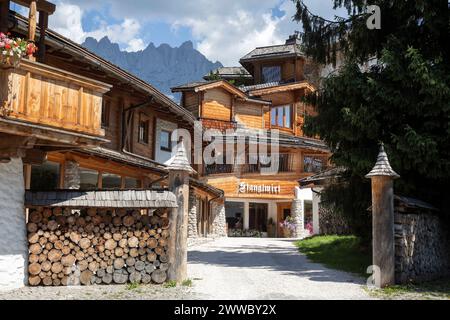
(288, 227)
(12, 50)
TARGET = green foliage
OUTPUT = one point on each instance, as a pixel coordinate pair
(170, 284)
(133, 286)
(346, 253)
(439, 289)
(402, 99)
(187, 283)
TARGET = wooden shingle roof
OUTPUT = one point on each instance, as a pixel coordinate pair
(136, 199)
(382, 166)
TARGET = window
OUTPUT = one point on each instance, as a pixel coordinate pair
(313, 164)
(165, 141)
(45, 177)
(271, 74)
(111, 181)
(258, 216)
(281, 117)
(234, 212)
(144, 131)
(88, 179)
(105, 112)
(132, 183)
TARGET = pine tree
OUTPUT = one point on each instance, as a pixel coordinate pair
(402, 100)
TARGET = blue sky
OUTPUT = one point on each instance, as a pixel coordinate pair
(221, 30)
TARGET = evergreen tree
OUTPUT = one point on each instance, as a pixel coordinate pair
(402, 99)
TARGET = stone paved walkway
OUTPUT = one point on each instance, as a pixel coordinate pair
(251, 268)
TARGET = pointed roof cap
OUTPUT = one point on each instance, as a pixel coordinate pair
(180, 160)
(382, 167)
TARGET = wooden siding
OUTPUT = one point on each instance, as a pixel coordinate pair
(291, 69)
(44, 95)
(217, 105)
(191, 102)
(249, 114)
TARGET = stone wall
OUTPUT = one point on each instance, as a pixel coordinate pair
(298, 214)
(192, 215)
(13, 242)
(71, 175)
(219, 225)
(331, 222)
(422, 247)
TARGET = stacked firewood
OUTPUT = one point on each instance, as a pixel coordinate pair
(96, 246)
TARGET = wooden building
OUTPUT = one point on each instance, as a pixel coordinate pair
(257, 201)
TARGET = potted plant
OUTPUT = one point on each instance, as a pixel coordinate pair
(12, 50)
(288, 227)
(271, 228)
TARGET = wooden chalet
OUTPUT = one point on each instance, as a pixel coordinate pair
(257, 201)
(72, 120)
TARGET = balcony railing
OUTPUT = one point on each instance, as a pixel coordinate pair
(284, 162)
(40, 94)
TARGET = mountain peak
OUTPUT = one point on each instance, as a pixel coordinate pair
(187, 45)
(163, 66)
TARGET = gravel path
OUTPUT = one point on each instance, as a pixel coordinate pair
(247, 268)
(113, 292)
(234, 268)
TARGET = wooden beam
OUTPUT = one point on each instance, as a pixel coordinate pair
(43, 25)
(42, 5)
(32, 26)
(35, 157)
(4, 12)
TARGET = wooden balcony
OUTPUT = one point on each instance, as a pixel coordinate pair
(37, 94)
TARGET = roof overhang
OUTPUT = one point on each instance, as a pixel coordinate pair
(283, 88)
(127, 199)
(224, 85)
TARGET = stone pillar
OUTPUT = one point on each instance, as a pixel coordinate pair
(192, 221)
(13, 238)
(246, 217)
(298, 214)
(219, 222)
(383, 259)
(315, 208)
(71, 175)
(179, 171)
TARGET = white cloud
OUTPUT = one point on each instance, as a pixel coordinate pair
(135, 45)
(222, 30)
(67, 20)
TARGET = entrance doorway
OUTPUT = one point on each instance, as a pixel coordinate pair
(258, 216)
(284, 211)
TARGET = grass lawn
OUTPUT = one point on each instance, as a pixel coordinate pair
(347, 254)
(338, 252)
(439, 289)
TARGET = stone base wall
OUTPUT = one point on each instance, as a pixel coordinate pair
(219, 225)
(192, 216)
(13, 241)
(71, 175)
(331, 222)
(422, 247)
(298, 214)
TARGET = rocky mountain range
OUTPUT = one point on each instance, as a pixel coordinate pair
(163, 66)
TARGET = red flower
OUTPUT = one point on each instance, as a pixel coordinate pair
(7, 46)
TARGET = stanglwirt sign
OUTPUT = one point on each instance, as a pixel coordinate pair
(259, 188)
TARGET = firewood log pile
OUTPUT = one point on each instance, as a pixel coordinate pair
(96, 246)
